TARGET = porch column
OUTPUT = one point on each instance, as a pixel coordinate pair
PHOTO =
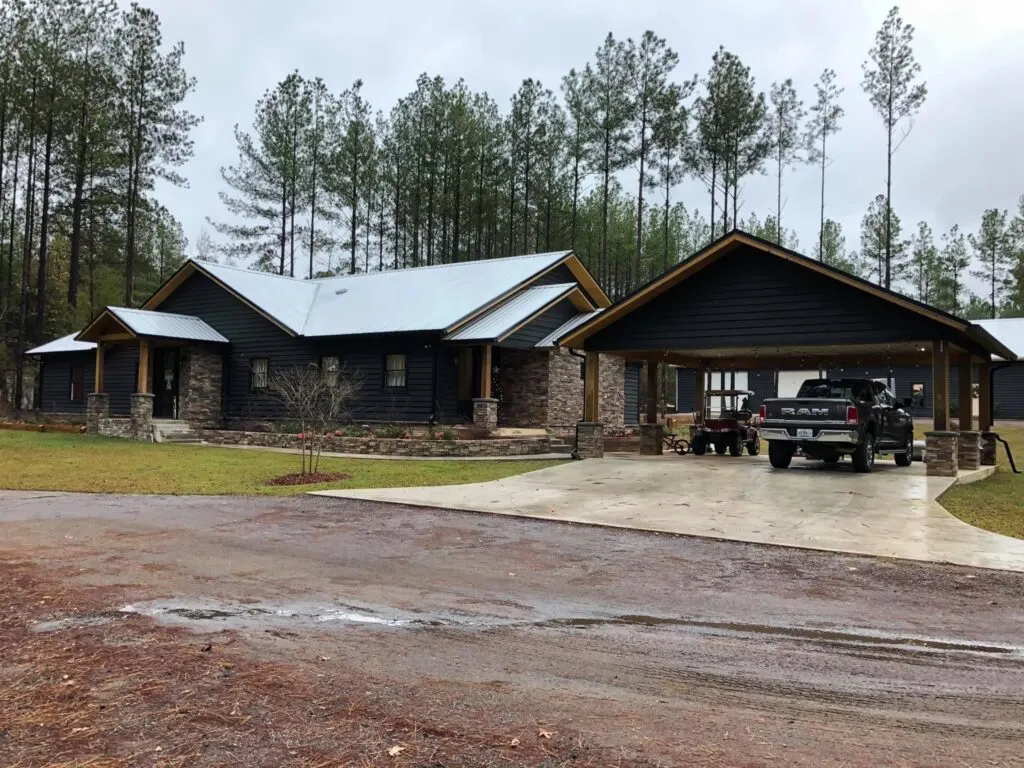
(142, 383)
(966, 401)
(590, 431)
(698, 394)
(650, 431)
(985, 396)
(485, 407)
(97, 403)
(940, 385)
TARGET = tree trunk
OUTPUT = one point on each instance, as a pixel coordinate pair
(355, 205)
(821, 225)
(44, 230)
(26, 259)
(284, 225)
(888, 199)
(77, 206)
(640, 200)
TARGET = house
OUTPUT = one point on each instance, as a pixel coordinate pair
(907, 382)
(465, 342)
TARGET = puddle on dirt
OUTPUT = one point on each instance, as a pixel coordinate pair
(210, 615)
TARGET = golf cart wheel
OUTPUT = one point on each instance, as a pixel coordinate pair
(754, 447)
(699, 446)
(906, 458)
(720, 447)
(681, 446)
(735, 447)
(780, 454)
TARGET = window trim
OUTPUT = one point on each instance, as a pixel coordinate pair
(405, 372)
(81, 384)
(253, 374)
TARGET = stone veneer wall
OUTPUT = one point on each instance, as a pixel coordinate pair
(383, 446)
(201, 374)
(524, 388)
(565, 392)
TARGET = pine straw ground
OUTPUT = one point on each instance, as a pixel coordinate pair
(131, 693)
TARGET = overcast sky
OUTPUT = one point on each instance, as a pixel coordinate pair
(964, 154)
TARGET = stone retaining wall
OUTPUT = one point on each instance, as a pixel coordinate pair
(383, 446)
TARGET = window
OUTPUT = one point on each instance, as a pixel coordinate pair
(917, 395)
(331, 366)
(77, 393)
(394, 372)
(259, 373)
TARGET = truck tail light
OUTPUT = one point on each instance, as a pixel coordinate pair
(763, 413)
(852, 417)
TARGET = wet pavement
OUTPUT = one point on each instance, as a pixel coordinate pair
(784, 656)
(892, 512)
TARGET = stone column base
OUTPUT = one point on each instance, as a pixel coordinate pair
(650, 440)
(142, 417)
(988, 449)
(485, 413)
(941, 453)
(97, 408)
(969, 450)
(590, 442)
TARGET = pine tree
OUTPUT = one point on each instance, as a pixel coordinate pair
(825, 116)
(784, 123)
(670, 139)
(831, 249)
(953, 262)
(889, 82)
(352, 166)
(924, 263)
(993, 247)
(883, 252)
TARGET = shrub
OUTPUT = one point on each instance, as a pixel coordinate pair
(390, 431)
(353, 430)
(448, 434)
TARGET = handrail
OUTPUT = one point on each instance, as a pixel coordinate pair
(1009, 453)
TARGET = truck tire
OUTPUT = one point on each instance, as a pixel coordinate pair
(906, 457)
(864, 456)
(780, 454)
(699, 445)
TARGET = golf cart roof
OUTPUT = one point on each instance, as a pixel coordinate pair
(727, 392)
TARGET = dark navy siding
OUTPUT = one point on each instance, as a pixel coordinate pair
(906, 376)
(543, 326)
(120, 371)
(557, 276)
(748, 299)
(632, 414)
(1008, 386)
(252, 335)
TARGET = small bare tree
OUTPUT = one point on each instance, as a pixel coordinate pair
(317, 400)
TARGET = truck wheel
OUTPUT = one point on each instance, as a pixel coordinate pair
(699, 445)
(864, 456)
(779, 454)
(735, 446)
(906, 458)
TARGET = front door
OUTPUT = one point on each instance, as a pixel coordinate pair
(166, 370)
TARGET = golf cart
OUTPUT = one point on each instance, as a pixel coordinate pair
(731, 429)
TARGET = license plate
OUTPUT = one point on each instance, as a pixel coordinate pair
(805, 433)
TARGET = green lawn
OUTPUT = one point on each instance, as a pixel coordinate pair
(62, 462)
(995, 504)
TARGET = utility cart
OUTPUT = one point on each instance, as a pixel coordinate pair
(728, 428)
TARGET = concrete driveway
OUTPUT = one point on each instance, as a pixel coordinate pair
(892, 512)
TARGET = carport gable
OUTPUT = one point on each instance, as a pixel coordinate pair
(741, 293)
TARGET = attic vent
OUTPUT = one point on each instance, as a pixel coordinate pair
(340, 291)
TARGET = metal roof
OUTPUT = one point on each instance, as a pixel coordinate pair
(511, 312)
(63, 344)
(165, 325)
(393, 301)
(552, 339)
(1009, 331)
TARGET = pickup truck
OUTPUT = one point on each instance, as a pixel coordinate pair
(831, 418)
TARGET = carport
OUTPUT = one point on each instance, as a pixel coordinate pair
(744, 303)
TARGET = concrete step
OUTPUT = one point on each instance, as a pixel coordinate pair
(166, 431)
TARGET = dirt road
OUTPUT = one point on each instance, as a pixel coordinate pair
(471, 640)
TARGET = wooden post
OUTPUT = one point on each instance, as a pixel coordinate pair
(98, 380)
(985, 420)
(698, 394)
(485, 371)
(592, 387)
(142, 385)
(652, 391)
(940, 385)
(966, 401)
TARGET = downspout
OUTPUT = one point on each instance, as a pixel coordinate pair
(575, 454)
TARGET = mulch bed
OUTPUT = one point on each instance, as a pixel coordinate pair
(310, 478)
